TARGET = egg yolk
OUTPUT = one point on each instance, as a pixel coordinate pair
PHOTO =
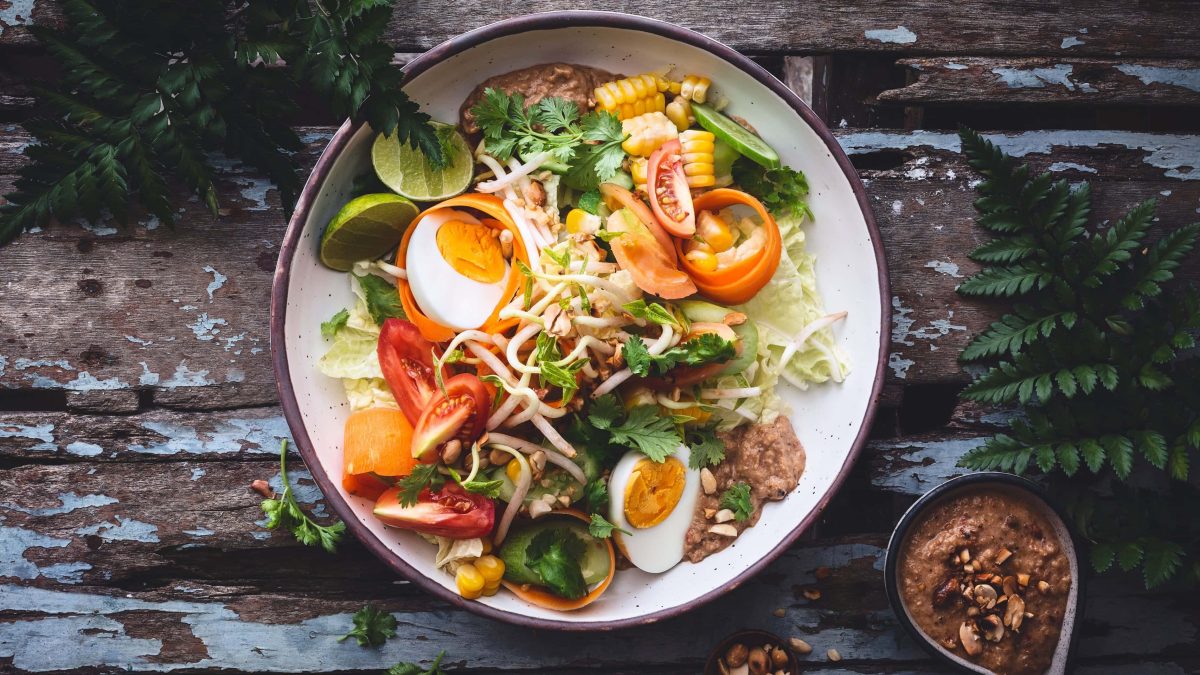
(653, 491)
(472, 250)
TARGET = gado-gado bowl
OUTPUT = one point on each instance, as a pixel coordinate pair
(832, 421)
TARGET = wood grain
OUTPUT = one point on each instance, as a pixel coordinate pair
(1048, 80)
(1059, 27)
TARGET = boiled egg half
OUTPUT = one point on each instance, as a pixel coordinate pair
(654, 502)
(456, 268)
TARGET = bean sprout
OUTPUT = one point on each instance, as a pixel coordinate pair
(518, 172)
(514, 345)
(742, 392)
(615, 380)
(498, 170)
(520, 489)
(552, 435)
(552, 455)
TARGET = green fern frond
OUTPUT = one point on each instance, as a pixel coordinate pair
(1005, 250)
(1159, 265)
(1012, 332)
(1010, 281)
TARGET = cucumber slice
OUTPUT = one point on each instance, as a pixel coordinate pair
(737, 136)
(558, 482)
(698, 311)
(594, 563)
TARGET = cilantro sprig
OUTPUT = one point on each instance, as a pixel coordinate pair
(737, 499)
(334, 324)
(556, 555)
(372, 627)
(706, 348)
(601, 528)
(706, 448)
(415, 669)
(643, 429)
(590, 144)
(422, 476)
(285, 512)
(784, 191)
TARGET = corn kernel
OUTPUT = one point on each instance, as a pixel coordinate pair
(714, 231)
(701, 256)
(647, 132)
(631, 96)
(697, 168)
(695, 88)
(491, 567)
(679, 112)
(581, 222)
(513, 471)
(696, 141)
(490, 588)
(696, 182)
(469, 581)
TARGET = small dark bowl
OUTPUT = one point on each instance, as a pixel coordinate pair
(750, 638)
(1073, 615)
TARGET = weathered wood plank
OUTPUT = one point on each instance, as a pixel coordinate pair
(917, 26)
(183, 314)
(1048, 80)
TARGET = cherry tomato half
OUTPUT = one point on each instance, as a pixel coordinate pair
(450, 512)
(461, 412)
(407, 362)
(617, 198)
(670, 197)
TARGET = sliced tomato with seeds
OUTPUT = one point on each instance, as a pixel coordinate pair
(406, 359)
(670, 196)
(450, 512)
(461, 412)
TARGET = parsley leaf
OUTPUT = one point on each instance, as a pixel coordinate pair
(737, 499)
(707, 348)
(604, 411)
(783, 190)
(590, 202)
(422, 476)
(555, 555)
(602, 529)
(707, 449)
(383, 301)
(372, 627)
(284, 511)
(596, 496)
(415, 669)
(602, 160)
(652, 312)
(334, 324)
(645, 430)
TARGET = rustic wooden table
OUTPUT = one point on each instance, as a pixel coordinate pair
(137, 400)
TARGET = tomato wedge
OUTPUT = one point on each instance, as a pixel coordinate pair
(670, 196)
(617, 198)
(407, 362)
(638, 253)
(461, 412)
(450, 512)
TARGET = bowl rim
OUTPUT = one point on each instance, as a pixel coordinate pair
(979, 479)
(316, 180)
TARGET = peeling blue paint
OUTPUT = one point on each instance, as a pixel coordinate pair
(125, 529)
(185, 377)
(26, 364)
(898, 35)
(235, 375)
(934, 463)
(68, 502)
(14, 542)
(3, 364)
(1071, 166)
(304, 488)
(15, 13)
(217, 282)
(139, 341)
(955, 66)
(1037, 78)
(1069, 42)
(200, 531)
(66, 573)
(38, 432)
(84, 449)
(198, 473)
(262, 435)
(1188, 78)
(900, 365)
(945, 267)
(205, 328)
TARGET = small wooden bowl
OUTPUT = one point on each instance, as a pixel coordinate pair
(750, 638)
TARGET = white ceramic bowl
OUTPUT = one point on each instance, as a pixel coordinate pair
(832, 420)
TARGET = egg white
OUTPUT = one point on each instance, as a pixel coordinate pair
(660, 547)
(442, 292)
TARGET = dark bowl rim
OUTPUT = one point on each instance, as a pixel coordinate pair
(974, 480)
(316, 179)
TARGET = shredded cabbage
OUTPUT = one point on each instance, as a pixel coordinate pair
(354, 358)
(369, 392)
(787, 304)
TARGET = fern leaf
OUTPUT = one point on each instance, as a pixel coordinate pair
(1068, 458)
(1161, 560)
(1116, 244)
(1010, 334)
(1119, 451)
(1045, 458)
(1177, 462)
(1129, 555)
(1006, 250)
(1001, 452)
(1015, 280)
(1153, 447)
(1093, 454)
(1103, 555)
(1160, 264)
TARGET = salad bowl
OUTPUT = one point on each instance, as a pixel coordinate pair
(832, 421)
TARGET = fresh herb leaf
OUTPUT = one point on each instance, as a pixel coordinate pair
(416, 669)
(487, 488)
(652, 312)
(422, 476)
(334, 324)
(600, 528)
(645, 430)
(444, 360)
(601, 159)
(607, 236)
(547, 348)
(383, 300)
(596, 496)
(605, 411)
(559, 255)
(784, 191)
(737, 499)
(372, 627)
(563, 377)
(585, 304)
(706, 448)
(284, 511)
(590, 201)
(706, 348)
(555, 554)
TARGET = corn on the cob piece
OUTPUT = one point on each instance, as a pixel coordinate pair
(679, 111)
(696, 149)
(646, 132)
(695, 88)
(632, 96)
(638, 168)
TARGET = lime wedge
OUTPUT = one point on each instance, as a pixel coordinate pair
(365, 229)
(406, 170)
(725, 129)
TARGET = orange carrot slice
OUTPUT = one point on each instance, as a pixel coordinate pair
(378, 441)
